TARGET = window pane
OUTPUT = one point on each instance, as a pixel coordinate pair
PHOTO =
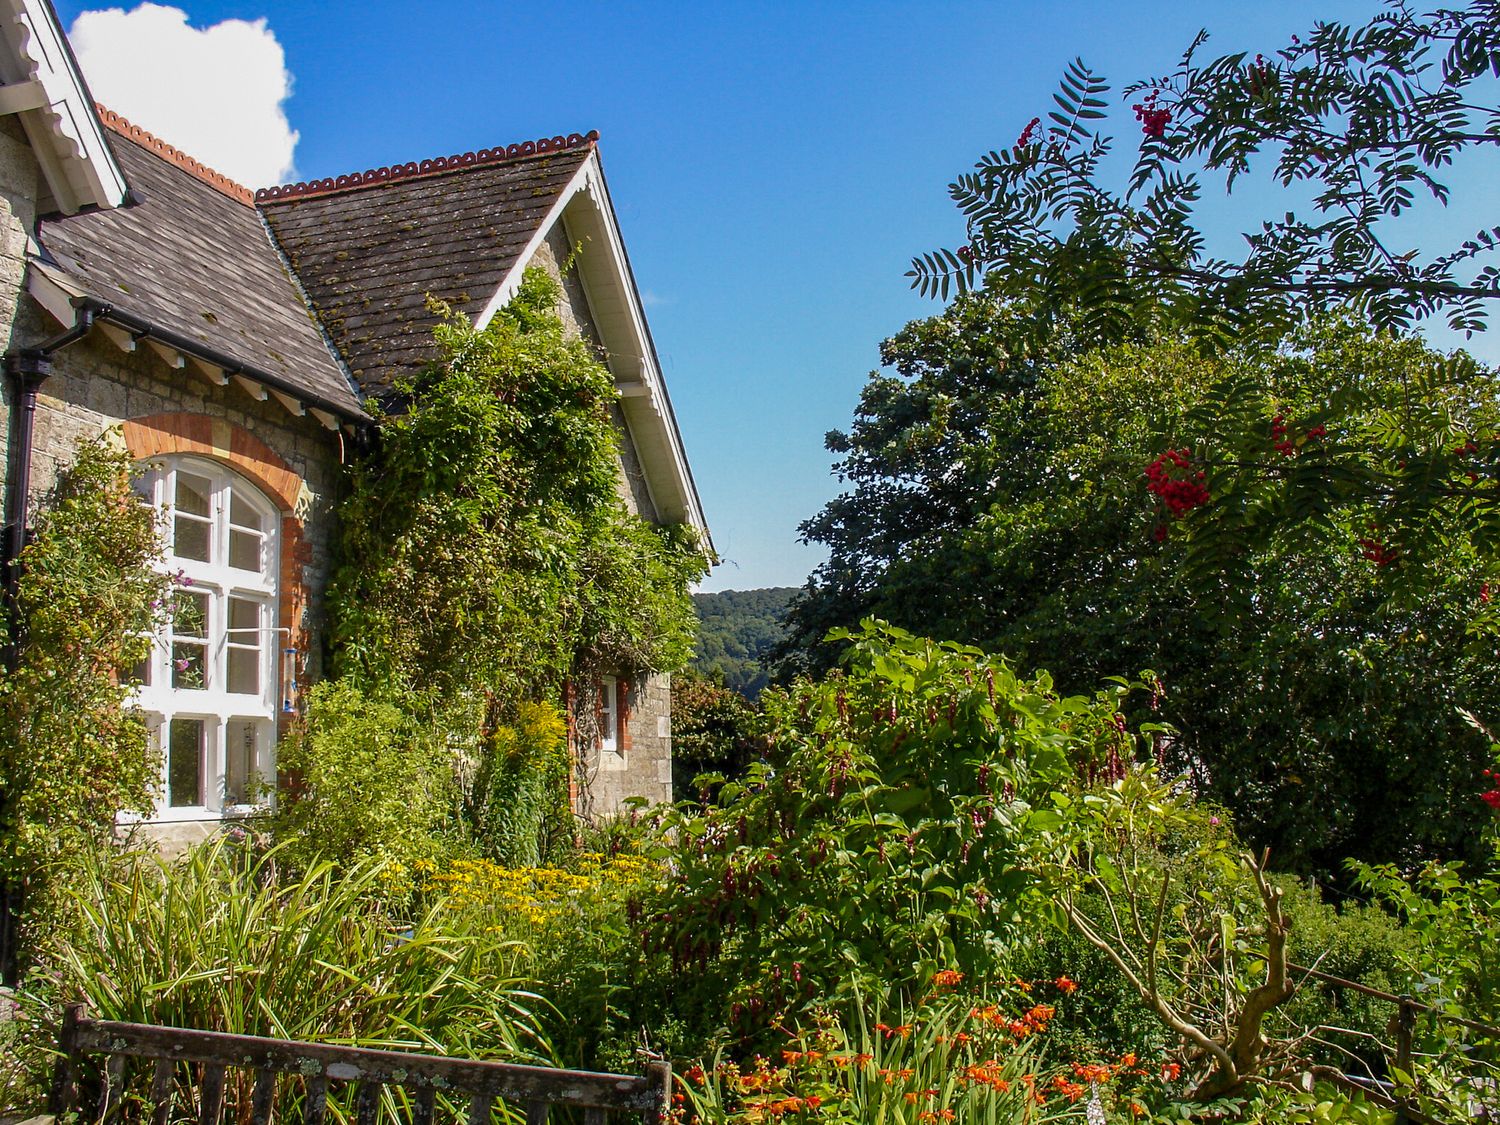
(190, 614)
(185, 762)
(244, 671)
(244, 621)
(193, 495)
(190, 538)
(241, 513)
(241, 777)
(244, 550)
(189, 665)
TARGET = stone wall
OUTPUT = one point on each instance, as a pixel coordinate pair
(641, 764)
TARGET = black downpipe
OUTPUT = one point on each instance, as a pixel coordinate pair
(28, 369)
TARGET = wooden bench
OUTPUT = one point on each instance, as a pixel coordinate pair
(205, 1058)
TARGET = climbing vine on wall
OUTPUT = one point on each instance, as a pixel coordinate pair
(72, 751)
(488, 554)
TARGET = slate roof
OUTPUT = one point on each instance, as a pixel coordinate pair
(193, 257)
(370, 249)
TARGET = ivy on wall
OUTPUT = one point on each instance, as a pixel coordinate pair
(488, 555)
(72, 753)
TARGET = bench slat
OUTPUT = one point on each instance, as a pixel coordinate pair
(161, 1092)
(536, 1113)
(211, 1095)
(262, 1098)
(367, 1105)
(114, 1080)
(421, 1110)
(316, 1104)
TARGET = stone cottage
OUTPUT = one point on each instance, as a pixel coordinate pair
(233, 341)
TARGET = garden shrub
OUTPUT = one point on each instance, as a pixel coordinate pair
(884, 840)
(515, 809)
(73, 753)
(370, 782)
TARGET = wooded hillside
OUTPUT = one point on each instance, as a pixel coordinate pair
(736, 631)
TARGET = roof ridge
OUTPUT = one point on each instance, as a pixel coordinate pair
(173, 155)
(415, 169)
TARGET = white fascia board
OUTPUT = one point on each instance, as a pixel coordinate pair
(627, 339)
(64, 130)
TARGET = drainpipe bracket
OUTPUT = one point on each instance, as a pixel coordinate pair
(29, 367)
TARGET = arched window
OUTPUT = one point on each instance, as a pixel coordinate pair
(210, 685)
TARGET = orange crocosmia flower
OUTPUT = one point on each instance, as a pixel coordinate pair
(839, 1061)
(882, 1027)
(791, 1056)
(1066, 984)
(1171, 1071)
(1019, 1029)
(946, 978)
(1137, 1110)
(1023, 985)
(695, 1073)
(863, 1059)
(905, 1074)
(1128, 1060)
(813, 1101)
(911, 1097)
(1095, 1073)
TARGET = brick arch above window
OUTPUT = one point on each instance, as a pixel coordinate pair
(218, 439)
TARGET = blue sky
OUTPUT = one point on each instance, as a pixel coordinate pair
(775, 166)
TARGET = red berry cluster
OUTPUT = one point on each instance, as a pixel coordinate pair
(1282, 440)
(1182, 493)
(1025, 138)
(1153, 118)
(1484, 594)
(1377, 552)
(1258, 74)
(1492, 796)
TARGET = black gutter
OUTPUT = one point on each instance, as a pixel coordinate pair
(143, 329)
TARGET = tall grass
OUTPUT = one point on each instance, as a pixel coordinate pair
(223, 940)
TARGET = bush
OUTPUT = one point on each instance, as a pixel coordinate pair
(368, 782)
(516, 808)
(884, 840)
(72, 753)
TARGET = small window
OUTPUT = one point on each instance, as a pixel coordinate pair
(609, 716)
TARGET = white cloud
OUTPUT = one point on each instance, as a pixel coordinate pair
(214, 92)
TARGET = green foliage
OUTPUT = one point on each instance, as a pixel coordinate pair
(224, 940)
(72, 753)
(516, 806)
(737, 632)
(371, 782)
(714, 730)
(997, 497)
(1366, 117)
(943, 1059)
(884, 838)
(487, 549)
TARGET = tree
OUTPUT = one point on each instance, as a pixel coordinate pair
(1365, 117)
(999, 497)
(714, 730)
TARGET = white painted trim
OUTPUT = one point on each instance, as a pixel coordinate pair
(292, 405)
(215, 375)
(170, 355)
(250, 387)
(512, 280)
(53, 293)
(22, 96)
(120, 337)
(63, 127)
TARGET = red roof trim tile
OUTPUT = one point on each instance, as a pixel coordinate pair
(415, 169)
(216, 180)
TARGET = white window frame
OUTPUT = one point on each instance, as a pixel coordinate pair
(215, 582)
(609, 718)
